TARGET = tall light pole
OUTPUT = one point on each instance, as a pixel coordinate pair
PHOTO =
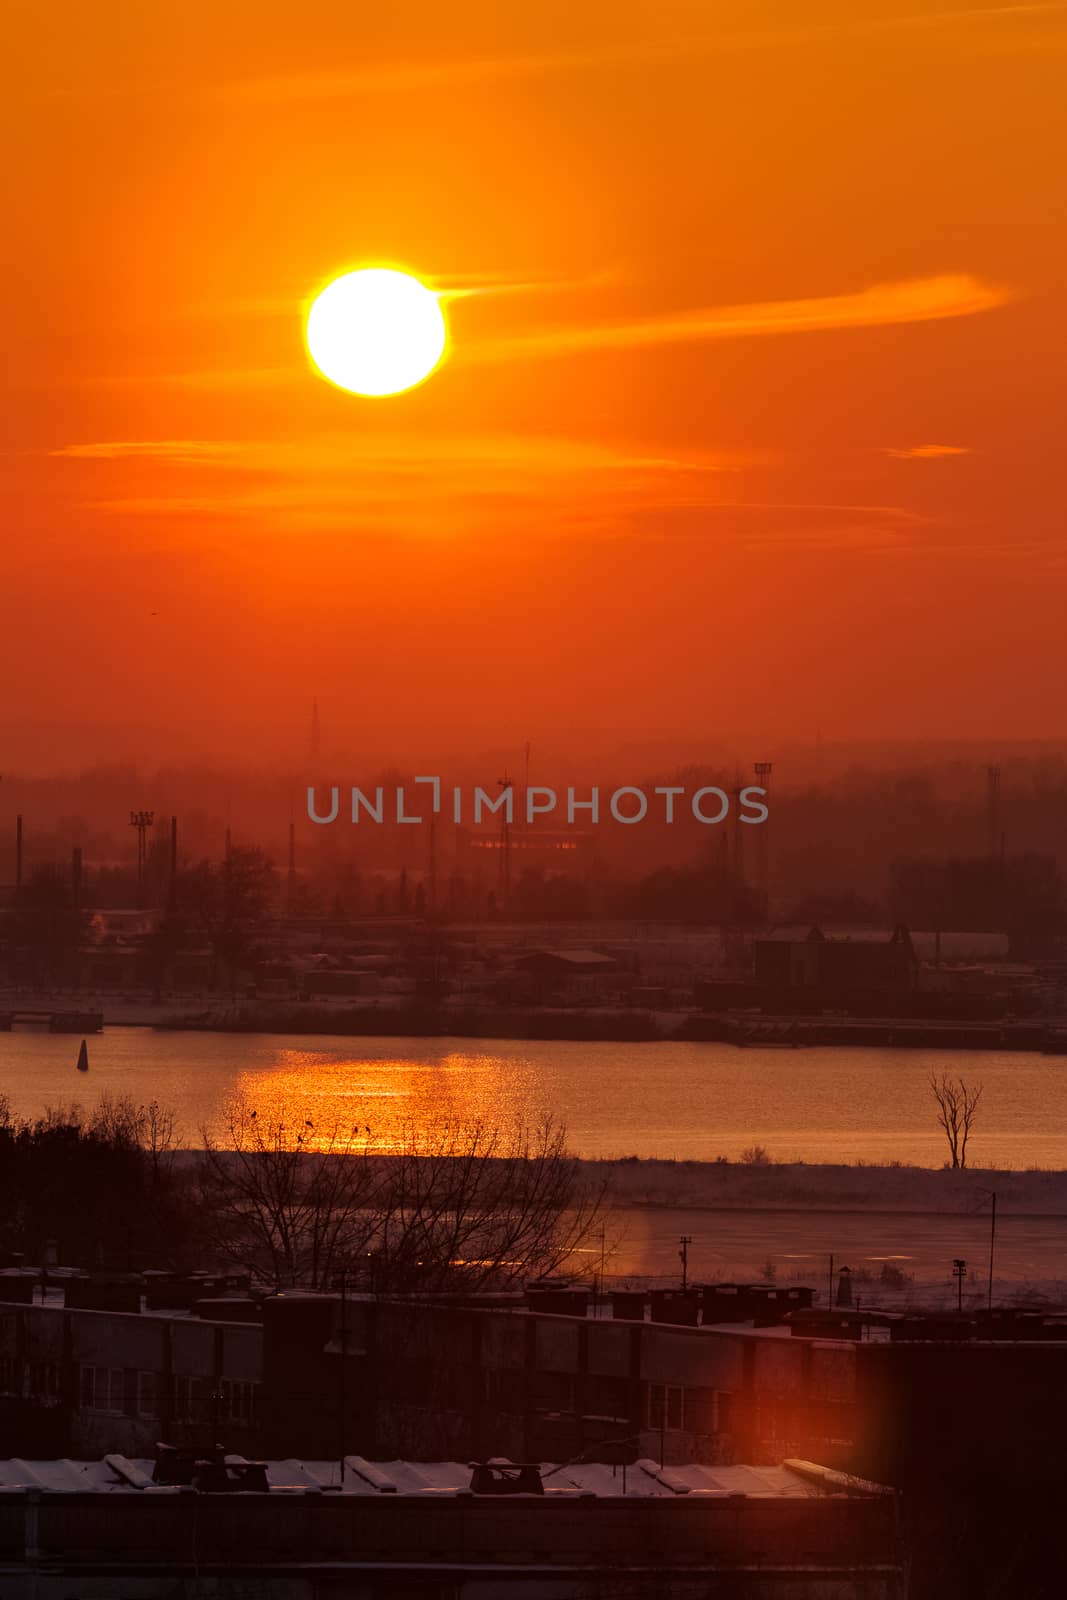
(142, 821)
(991, 1194)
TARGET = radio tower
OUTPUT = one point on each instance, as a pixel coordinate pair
(993, 812)
(503, 879)
(763, 770)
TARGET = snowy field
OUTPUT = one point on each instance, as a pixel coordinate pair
(899, 1229)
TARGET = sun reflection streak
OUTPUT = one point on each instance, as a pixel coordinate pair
(392, 1102)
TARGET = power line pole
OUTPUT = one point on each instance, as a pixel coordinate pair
(342, 1397)
(763, 770)
(959, 1272)
(685, 1241)
(991, 1195)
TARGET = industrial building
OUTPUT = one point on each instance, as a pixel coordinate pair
(837, 965)
(437, 1379)
(81, 1381)
(355, 1529)
(716, 1376)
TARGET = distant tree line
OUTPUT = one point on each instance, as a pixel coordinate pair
(1020, 894)
(222, 906)
(93, 1189)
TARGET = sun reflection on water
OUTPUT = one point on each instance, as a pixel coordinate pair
(395, 1099)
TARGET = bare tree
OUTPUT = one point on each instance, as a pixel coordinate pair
(228, 904)
(286, 1200)
(125, 1125)
(472, 1205)
(465, 1205)
(957, 1103)
(159, 1137)
(450, 1205)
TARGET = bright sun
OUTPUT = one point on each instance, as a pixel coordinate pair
(376, 331)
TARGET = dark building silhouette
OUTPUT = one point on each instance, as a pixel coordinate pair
(790, 959)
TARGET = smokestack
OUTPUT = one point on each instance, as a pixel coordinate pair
(290, 884)
(737, 840)
(76, 877)
(173, 863)
(18, 854)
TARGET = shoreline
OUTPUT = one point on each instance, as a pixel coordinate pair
(589, 1026)
(774, 1188)
(404, 1017)
(604, 1025)
(656, 1186)
(834, 1211)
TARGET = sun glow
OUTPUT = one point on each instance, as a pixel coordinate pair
(376, 331)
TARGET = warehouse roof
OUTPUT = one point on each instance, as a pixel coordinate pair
(569, 958)
(116, 1474)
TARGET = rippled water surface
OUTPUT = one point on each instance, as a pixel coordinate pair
(692, 1101)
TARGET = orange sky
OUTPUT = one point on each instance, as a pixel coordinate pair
(751, 424)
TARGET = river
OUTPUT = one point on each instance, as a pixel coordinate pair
(671, 1100)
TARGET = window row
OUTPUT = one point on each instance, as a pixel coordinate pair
(668, 1408)
(123, 1391)
(37, 1380)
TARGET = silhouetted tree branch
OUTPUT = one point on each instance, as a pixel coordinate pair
(957, 1103)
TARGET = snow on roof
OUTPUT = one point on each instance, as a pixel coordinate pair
(117, 1474)
(956, 946)
(829, 933)
(574, 958)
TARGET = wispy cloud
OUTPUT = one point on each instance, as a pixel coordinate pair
(389, 484)
(801, 525)
(925, 452)
(1029, 44)
(393, 482)
(882, 305)
(912, 300)
(951, 17)
(400, 453)
(987, 25)
(404, 77)
(471, 286)
(187, 452)
(407, 77)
